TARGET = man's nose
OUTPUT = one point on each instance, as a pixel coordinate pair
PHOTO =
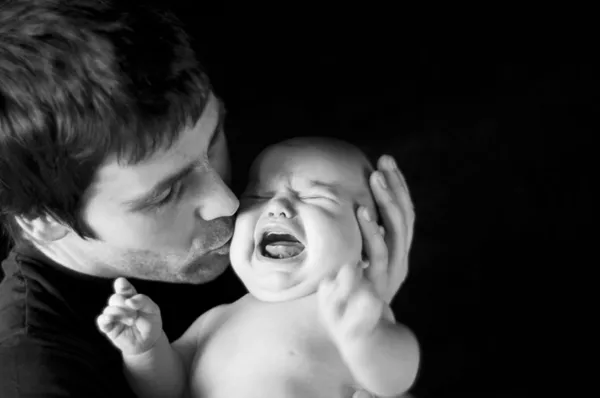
(218, 200)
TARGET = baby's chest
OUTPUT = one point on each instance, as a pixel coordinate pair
(268, 360)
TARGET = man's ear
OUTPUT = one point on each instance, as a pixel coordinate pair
(43, 229)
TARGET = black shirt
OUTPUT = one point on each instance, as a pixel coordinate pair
(50, 345)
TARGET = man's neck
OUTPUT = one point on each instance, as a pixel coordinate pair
(65, 255)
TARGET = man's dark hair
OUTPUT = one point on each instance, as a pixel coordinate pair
(81, 80)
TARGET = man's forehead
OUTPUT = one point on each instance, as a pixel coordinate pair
(117, 176)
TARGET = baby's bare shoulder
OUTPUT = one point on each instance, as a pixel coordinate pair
(212, 319)
(208, 321)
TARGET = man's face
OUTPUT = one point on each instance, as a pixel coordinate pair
(306, 193)
(168, 218)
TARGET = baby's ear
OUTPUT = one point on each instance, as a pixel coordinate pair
(364, 263)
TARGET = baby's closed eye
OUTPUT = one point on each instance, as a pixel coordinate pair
(317, 197)
(322, 200)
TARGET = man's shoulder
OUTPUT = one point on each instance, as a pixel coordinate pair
(13, 301)
(46, 348)
(31, 303)
(37, 366)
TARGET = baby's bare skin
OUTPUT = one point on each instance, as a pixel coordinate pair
(283, 339)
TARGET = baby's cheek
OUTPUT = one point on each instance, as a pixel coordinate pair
(242, 242)
(352, 239)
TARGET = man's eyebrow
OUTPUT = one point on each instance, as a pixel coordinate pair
(165, 183)
(146, 199)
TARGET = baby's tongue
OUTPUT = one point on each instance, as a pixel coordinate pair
(284, 249)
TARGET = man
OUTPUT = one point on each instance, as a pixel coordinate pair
(114, 162)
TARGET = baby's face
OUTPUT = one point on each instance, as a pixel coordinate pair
(297, 219)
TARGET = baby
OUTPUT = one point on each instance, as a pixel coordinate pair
(310, 326)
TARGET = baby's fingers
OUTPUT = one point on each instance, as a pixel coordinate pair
(347, 280)
(124, 288)
(126, 316)
(143, 303)
(324, 291)
(117, 300)
(106, 323)
(109, 325)
(333, 293)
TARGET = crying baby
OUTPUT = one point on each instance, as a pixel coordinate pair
(311, 324)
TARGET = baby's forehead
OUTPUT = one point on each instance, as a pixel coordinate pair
(308, 165)
(329, 153)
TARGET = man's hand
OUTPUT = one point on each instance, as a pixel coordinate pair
(349, 306)
(131, 321)
(388, 255)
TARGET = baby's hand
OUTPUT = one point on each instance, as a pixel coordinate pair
(131, 321)
(349, 306)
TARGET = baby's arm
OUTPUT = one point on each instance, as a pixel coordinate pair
(386, 361)
(133, 324)
(157, 372)
(382, 355)
(166, 367)
(153, 367)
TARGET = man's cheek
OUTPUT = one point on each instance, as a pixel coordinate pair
(147, 231)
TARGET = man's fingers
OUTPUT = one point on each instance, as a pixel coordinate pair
(394, 178)
(123, 287)
(375, 248)
(397, 213)
(399, 189)
(387, 201)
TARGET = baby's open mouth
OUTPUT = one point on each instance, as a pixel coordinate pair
(279, 245)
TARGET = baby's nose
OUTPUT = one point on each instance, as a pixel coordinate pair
(280, 207)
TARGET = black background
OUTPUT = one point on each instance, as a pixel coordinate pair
(493, 139)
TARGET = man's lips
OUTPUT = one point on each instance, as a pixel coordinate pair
(222, 246)
(223, 249)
